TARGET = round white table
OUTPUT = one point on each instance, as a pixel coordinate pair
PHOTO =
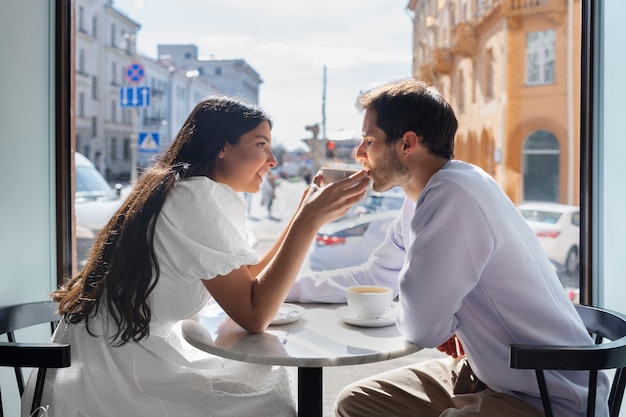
(319, 338)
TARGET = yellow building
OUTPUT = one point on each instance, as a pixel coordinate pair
(511, 70)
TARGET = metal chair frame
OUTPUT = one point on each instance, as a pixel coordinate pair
(31, 355)
(602, 325)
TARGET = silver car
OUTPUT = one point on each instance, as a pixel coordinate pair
(94, 203)
(349, 241)
(557, 226)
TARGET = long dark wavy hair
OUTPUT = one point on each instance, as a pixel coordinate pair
(122, 269)
(412, 105)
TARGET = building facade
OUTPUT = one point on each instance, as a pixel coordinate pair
(129, 106)
(511, 71)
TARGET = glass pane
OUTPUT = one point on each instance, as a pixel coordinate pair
(520, 61)
(510, 71)
(139, 74)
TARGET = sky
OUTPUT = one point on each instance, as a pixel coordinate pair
(361, 43)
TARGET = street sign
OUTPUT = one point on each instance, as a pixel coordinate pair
(148, 142)
(135, 72)
(134, 96)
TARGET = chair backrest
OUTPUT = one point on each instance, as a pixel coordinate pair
(30, 355)
(603, 325)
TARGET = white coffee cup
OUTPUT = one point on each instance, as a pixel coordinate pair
(369, 301)
(330, 175)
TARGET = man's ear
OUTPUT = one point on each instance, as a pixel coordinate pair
(409, 142)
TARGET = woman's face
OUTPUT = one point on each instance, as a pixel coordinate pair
(243, 166)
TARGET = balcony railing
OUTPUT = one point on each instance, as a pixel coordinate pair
(463, 39)
(531, 8)
(443, 60)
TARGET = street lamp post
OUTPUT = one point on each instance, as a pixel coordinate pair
(134, 74)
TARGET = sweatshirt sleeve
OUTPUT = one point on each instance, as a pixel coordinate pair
(452, 246)
(381, 268)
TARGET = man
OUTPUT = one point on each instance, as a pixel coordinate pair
(465, 264)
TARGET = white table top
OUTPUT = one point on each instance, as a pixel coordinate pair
(319, 338)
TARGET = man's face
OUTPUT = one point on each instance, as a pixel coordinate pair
(377, 156)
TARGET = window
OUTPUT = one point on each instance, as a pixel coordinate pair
(80, 19)
(94, 126)
(461, 91)
(114, 73)
(94, 88)
(526, 138)
(80, 65)
(114, 106)
(489, 73)
(113, 35)
(541, 167)
(540, 57)
(81, 104)
(113, 149)
(126, 150)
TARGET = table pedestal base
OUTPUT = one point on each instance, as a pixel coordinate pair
(310, 395)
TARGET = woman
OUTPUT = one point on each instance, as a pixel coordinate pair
(177, 241)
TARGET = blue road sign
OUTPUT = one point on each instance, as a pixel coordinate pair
(148, 142)
(135, 72)
(132, 96)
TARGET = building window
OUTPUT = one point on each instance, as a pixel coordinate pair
(218, 70)
(94, 88)
(540, 167)
(114, 111)
(94, 26)
(114, 73)
(113, 149)
(126, 149)
(490, 71)
(113, 36)
(80, 17)
(540, 57)
(94, 126)
(461, 91)
(81, 104)
(81, 62)
(126, 116)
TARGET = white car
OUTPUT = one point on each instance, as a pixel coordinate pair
(94, 203)
(558, 228)
(349, 241)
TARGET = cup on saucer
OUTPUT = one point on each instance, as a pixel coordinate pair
(369, 302)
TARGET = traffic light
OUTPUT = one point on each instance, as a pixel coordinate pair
(330, 149)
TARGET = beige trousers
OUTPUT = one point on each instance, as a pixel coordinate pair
(423, 390)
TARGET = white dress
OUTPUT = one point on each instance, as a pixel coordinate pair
(199, 234)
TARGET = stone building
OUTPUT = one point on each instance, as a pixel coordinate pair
(130, 106)
(511, 70)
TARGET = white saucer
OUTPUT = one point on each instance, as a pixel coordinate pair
(386, 319)
(287, 313)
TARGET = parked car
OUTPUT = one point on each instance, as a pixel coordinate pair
(95, 201)
(558, 228)
(377, 201)
(349, 241)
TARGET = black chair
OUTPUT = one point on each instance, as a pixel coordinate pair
(602, 325)
(31, 355)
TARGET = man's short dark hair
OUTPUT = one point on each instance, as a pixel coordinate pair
(411, 105)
